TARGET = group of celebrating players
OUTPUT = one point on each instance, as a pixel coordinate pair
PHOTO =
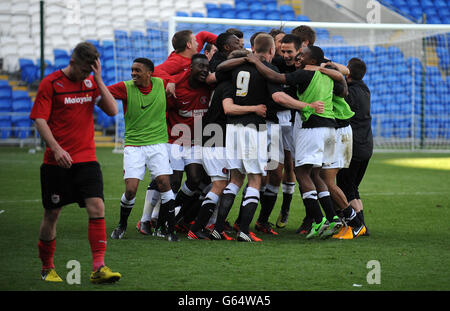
(276, 115)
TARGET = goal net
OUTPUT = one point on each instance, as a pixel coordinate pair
(408, 71)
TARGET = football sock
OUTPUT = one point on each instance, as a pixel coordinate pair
(268, 202)
(184, 198)
(46, 252)
(97, 240)
(238, 219)
(125, 209)
(351, 218)
(167, 211)
(327, 205)
(360, 216)
(288, 189)
(207, 209)
(312, 206)
(226, 202)
(149, 204)
(248, 208)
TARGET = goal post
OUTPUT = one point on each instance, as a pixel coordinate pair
(408, 72)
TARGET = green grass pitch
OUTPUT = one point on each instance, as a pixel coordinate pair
(407, 208)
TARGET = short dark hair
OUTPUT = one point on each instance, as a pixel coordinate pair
(147, 63)
(357, 68)
(305, 33)
(208, 47)
(85, 52)
(222, 40)
(316, 54)
(180, 39)
(252, 38)
(198, 56)
(290, 38)
(276, 31)
(235, 32)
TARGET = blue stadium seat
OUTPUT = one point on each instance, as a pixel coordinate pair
(241, 5)
(271, 5)
(288, 16)
(5, 127)
(197, 14)
(260, 15)
(28, 70)
(255, 6)
(243, 14)
(5, 104)
(215, 13)
(229, 13)
(226, 6)
(273, 15)
(21, 125)
(182, 14)
(286, 8)
(22, 105)
(210, 6)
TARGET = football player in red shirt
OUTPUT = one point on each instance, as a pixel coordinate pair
(184, 111)
(63, 115)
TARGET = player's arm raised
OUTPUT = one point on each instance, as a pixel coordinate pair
(107, 102)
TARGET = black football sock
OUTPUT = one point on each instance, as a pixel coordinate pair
(312, 206)
(249, 206)
(351, 218)
(226, 202)
(288, 189)
(184, 198)
(268, 201)
(327, 205)
(125, 209)
(207, 209)
(238, 219)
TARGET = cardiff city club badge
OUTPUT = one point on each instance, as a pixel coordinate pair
(88, 83)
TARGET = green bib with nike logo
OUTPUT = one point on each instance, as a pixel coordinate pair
(145, 117)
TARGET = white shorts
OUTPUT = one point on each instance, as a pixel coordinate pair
(314, 146)
(181, 156)
(274, 145)
(343, 148)
(246, 149)
(154, 157)
(288, 138)
(215, 163)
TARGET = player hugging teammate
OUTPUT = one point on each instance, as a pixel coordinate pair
(247, 117)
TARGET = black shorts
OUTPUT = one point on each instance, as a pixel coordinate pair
(62, 186)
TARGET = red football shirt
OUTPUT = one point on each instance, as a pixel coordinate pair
(190, 103)
(68, 107)
(176, 63)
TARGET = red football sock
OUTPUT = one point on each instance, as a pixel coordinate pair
(97, 240)
(46, 252)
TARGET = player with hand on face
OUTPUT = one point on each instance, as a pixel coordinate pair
(63, 115)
